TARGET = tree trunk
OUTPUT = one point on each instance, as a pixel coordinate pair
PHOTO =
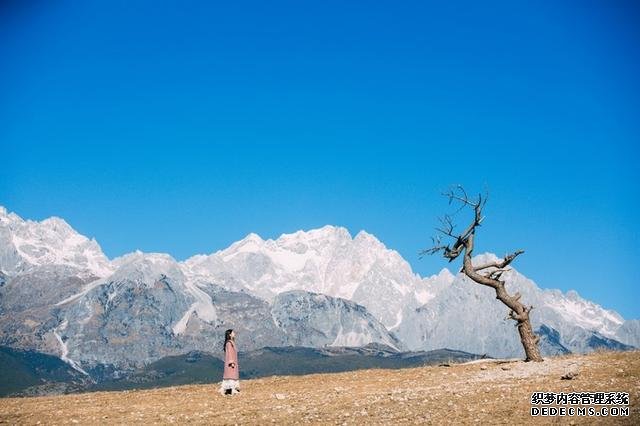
(519, 312)
(529, 341)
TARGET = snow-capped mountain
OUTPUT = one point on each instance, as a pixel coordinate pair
(50, 242)
(128, 322)
(327, 261)
(147, 307)
(60, 294)
(467, 316)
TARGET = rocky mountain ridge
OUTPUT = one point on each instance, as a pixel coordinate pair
(61, 295)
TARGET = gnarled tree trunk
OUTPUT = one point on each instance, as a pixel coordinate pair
(489, 274)
(519, 312)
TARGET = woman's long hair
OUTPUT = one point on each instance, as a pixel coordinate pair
(227, 337)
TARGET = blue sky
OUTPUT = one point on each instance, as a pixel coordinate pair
(181, 127)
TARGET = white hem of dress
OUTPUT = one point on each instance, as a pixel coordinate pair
(234, 385)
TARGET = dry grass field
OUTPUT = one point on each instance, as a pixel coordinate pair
(487, 392)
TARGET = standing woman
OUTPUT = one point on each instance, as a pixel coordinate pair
(231, 377)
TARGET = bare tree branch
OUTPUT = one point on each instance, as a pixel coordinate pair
(434, 249)
(502, 263)
(447, 226)
(462, 197)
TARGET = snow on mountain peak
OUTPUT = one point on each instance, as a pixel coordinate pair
(146, 267)
(57, 224)
(338, 232)
(446, 275)
(51, 241)
(433, 285)
(573, 295)
(365, 236)
(252, 237)
(576, 310)
(302, 240)
(7, 217)
(326, 260)
(487, 257)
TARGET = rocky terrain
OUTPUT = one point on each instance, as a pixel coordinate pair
(479, 392)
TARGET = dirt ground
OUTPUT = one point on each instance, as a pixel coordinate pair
(487, 392)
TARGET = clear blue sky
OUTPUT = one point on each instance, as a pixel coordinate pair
(180, 127)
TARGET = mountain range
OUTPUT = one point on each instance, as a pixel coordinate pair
(60, 295)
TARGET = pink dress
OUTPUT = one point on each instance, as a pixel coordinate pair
(230, 356)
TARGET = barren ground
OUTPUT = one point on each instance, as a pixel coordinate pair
(488, 392)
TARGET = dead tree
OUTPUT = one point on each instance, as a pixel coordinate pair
(489, 274)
